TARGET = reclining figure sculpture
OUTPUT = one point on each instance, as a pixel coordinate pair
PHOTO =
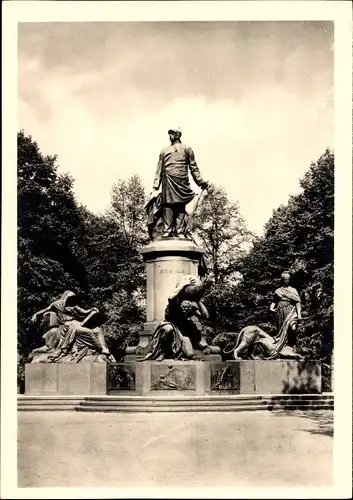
(71, 333)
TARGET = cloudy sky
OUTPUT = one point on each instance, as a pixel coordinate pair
(253, 99)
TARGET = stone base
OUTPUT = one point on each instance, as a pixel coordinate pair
(65, 379)
(211, 376)
(145, 335)
(213, 356)
(280, 377)
(175, 378)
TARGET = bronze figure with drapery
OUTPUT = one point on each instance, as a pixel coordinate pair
(286, 306)
(71, 333)
(180, 335)
(171, 189)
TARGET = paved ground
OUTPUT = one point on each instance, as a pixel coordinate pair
(241, 449)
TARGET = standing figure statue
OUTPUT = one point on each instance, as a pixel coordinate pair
(171, 189)
(71, 333)
(286, 305)
(181, 333)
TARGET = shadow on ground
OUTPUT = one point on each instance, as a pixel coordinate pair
(322, 420)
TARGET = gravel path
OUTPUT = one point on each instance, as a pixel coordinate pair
(236, 449)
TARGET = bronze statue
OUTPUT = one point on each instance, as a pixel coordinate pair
(180, 335)
(268, 347)
(172, 191)
(72, 334)
(286, 305)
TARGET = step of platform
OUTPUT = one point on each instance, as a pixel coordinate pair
(184, 397)
(180, 402)
(203, 408)
(177, 404)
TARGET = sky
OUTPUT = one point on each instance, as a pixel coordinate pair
(253, 99)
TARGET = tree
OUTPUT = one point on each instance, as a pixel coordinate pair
(62, 246)
(49, 223)
(219, 228)
(222, 232)
(314, 214)
(115, 270)
(128, 210)
(299, 237)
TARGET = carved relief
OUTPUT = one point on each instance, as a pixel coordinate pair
(172, 378)
(225, 377)
(120, 376)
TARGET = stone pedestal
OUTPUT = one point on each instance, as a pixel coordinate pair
(212, 378)
(76, 379)
(174, 378)
(166, 261)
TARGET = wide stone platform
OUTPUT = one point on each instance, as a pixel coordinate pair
(170, 378)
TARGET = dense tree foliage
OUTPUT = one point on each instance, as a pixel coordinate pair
(49, 224)
(62, 245)
(221, 230)
(298, 238)
(116, 270)
(114, 273)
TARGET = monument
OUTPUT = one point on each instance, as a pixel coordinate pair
(172, 357)
(173, 258)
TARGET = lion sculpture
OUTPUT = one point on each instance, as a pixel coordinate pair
(252, 337)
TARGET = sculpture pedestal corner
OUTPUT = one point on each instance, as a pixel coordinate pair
(76, 379)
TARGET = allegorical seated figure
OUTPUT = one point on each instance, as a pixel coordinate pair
(71, 333)
(181, 333)
(287, 307)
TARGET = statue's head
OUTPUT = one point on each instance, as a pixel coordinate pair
(174, 134)
(187, 307)
(285, 277)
